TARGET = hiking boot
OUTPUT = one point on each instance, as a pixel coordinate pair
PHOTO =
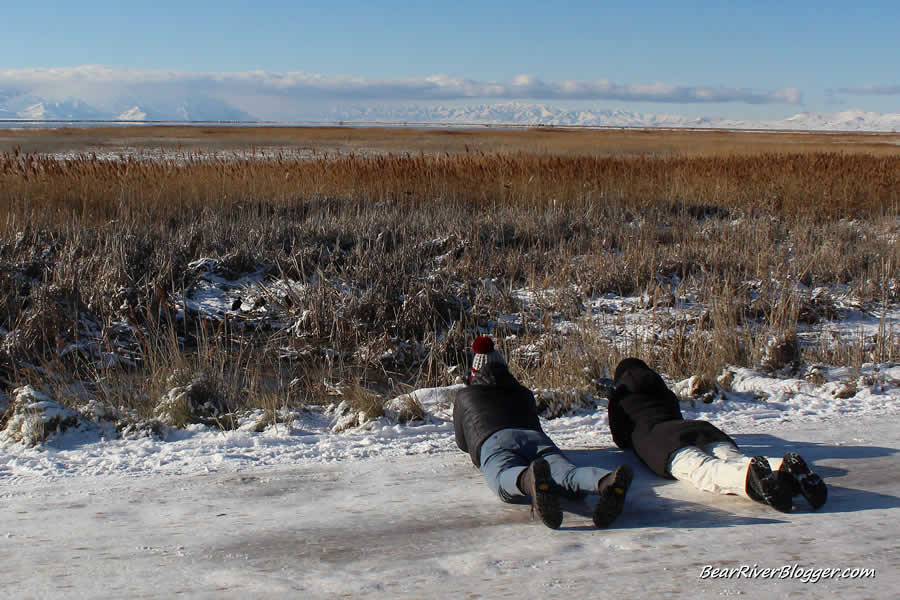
(757, 470)
(612, 489)
(804, 480)
(775, 489)
(537, 483)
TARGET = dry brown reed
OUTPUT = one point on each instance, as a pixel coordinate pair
(44, 190)
(399, 259)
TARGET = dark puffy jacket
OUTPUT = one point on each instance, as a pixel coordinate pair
(479, 411)
(645, 415)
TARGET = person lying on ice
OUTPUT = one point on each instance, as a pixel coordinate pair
(495, 420)
(645, 415)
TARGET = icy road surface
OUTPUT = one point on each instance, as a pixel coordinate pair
(425, 526)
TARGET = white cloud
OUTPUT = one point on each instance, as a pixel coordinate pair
(99, 82)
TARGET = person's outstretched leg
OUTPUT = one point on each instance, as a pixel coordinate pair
(612, 490)
(708, 472)
(509, 474)
(502, 464)
(728, 452)
(766, 480)
(575, 481)
(580, 481)
(731, 453)
(537, 482)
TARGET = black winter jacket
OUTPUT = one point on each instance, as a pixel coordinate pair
(645, 415)
(479, 411)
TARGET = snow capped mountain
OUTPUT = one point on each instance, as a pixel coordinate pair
(135, 113)
(192, 109)
(200, 108)
(538, 114)
(848, 120)
(31, 107)
(507, 113)
(14, 105)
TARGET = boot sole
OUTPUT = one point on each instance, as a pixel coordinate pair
(612, 499)
(809, 484)
(757, 471)
(775, 488)
(544, 500)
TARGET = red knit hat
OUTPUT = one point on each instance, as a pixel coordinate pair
(485, 354)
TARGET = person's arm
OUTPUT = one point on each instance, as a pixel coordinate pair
(620, 425)
(458, 428)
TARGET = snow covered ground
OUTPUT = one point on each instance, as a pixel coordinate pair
(313, 507)
(397, 511)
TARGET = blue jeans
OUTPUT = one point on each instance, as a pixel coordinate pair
(508, 452)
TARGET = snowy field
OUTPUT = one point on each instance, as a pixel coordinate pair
(397, 511)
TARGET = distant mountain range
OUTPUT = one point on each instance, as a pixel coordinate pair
(539, 114)
(32, 107)
(15, 106)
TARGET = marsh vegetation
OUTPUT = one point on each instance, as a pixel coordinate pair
(363, 266)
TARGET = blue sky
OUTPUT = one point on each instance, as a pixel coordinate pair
(759, 59)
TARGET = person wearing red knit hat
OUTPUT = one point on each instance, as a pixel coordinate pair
(485, 354)
(495, 420)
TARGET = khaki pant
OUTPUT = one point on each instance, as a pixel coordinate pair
(719, 468)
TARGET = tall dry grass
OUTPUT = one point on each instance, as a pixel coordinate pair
(399, 259)
(45, 190)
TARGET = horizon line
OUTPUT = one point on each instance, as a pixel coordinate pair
(428, 124)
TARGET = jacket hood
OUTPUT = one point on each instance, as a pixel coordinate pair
(627, 365)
